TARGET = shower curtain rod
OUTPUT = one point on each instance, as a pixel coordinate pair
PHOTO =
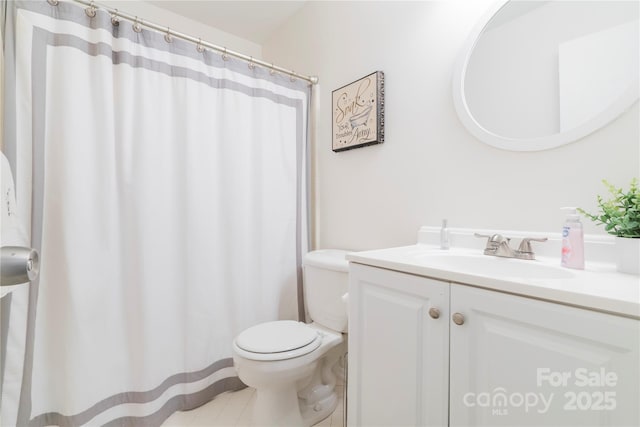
(200, 44)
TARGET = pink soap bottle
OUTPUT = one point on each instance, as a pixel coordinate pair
(572, 241)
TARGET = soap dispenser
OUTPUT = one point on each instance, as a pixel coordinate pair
(444, 235)
(572, 241)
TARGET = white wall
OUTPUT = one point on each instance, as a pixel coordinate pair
(430, 167)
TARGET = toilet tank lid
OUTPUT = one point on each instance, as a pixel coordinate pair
(330, 259)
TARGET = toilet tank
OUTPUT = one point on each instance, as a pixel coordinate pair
(326, 282)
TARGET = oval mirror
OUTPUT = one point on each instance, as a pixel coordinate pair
(535, 75)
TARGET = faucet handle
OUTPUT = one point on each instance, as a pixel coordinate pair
(490, 247)
(497, 244)
(525, 246)
(494, 239)
(499, 238)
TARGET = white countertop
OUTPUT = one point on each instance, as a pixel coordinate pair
(598, 287)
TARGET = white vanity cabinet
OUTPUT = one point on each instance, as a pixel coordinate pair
(517, 361)
(398, 352)
(489, 359)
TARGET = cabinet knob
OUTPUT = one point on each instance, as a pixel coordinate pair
(434, 313)
(458, 318)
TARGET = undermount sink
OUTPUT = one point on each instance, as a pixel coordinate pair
(492, 266)
(598, 287)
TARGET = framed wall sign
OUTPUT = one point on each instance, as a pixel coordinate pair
(358, 113)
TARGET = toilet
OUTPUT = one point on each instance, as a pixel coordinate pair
(292, 365)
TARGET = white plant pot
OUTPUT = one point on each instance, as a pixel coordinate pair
(628, 255)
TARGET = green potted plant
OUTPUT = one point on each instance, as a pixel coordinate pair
(620, 215)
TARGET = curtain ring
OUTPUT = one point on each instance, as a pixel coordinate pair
(199, 46)
(53, 2)
(115, 21)
(251, 65)
(225, 57)
(272, 70)
(293, 78)
(167, 36)
(90, 11)
(136, 26)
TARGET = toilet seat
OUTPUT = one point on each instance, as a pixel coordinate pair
(279, 340)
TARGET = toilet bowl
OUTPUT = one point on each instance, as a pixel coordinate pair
(292, 365)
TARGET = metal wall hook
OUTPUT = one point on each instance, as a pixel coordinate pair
(136, 26)
(18, 265)
(91, 10)
(167, 37)
(53, 2)
(199, 46)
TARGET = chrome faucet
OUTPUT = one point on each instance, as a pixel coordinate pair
(498, 245)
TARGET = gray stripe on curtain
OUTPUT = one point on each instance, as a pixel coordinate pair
(182, 402)
(5, 317)
(9, 80)
(41, 40)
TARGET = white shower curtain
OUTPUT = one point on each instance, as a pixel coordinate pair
(169, 208)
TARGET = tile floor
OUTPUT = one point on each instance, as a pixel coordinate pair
(231, 410)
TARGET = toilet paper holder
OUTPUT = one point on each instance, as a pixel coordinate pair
(18, 265)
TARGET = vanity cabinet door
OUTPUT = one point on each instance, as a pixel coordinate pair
(517, 361)
(398, 349)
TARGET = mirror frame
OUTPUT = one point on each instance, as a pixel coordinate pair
(612, 112)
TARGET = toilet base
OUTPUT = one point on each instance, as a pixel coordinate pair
(300, 404)
(314, 413)
(318, 399)
(284, 408)
(297, 392)
(276, 407)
